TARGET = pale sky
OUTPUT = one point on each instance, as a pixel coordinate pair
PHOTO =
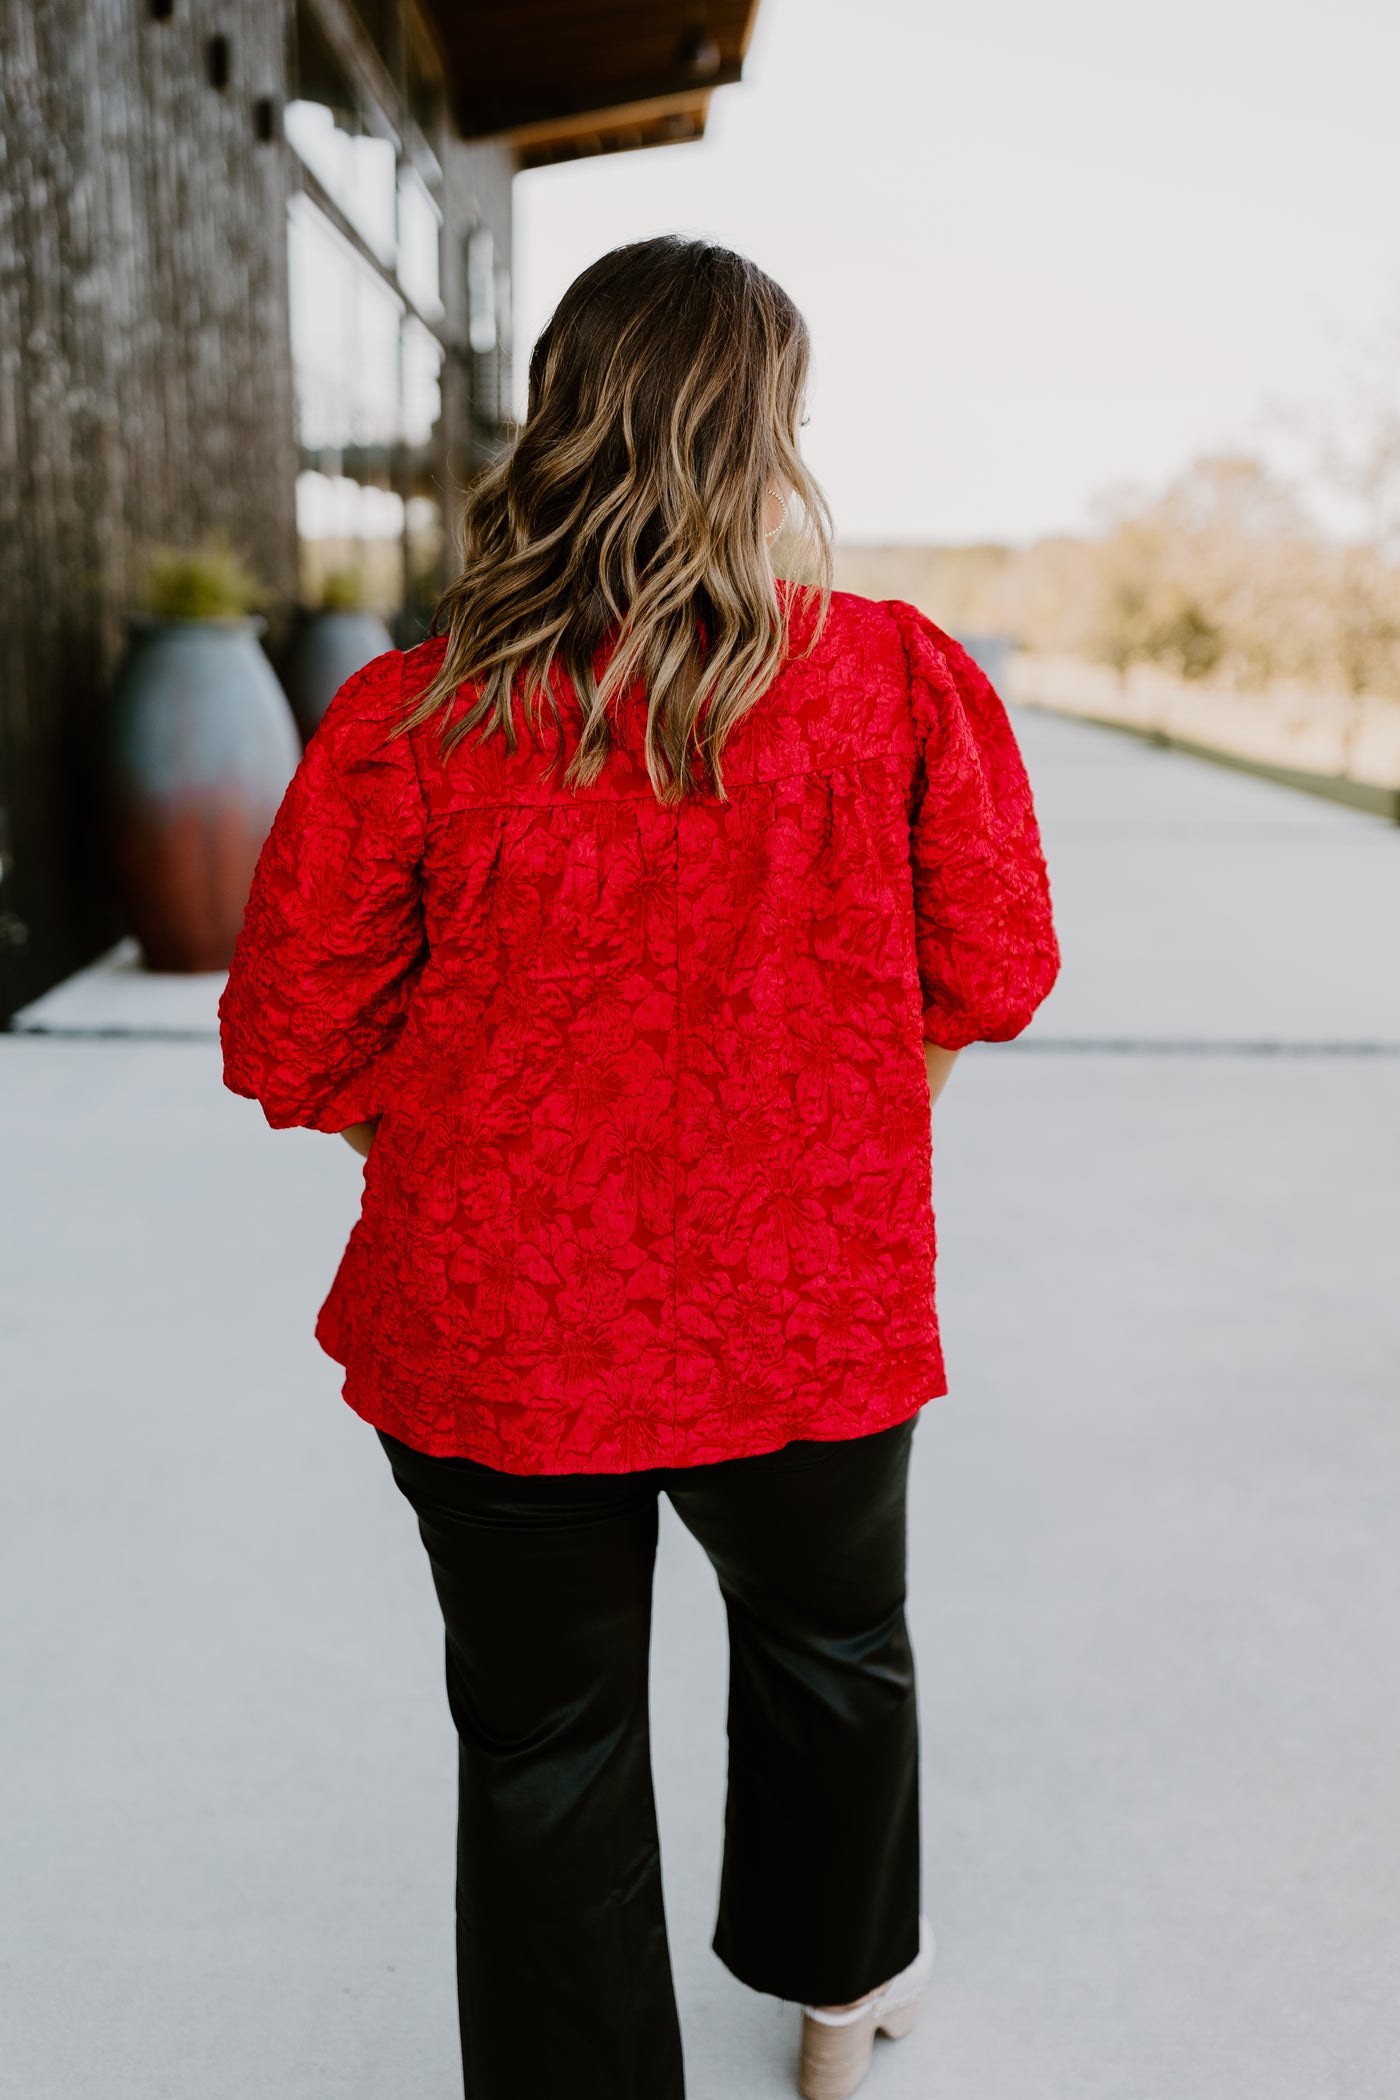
(1043, 249)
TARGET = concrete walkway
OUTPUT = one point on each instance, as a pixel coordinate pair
(1155, 1590)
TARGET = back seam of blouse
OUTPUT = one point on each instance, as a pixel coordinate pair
(862, 759)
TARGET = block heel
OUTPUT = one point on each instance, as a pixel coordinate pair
(837, 2046)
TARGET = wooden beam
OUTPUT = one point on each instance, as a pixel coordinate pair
(679, 129)
(591, 105)
(628, 115)
(517, 64)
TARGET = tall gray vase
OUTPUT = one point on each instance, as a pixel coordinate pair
(330, 648)
(201, 746)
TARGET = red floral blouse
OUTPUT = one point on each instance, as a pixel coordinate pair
(651, 1182)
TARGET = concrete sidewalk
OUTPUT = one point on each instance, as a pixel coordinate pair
(1155, 1590)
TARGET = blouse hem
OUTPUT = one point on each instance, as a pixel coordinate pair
(482, 1441)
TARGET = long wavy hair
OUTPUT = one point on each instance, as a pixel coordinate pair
(624, 527)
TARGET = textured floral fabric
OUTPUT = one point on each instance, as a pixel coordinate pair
(652, 1178)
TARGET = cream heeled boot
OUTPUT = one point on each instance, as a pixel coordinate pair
(837, 2046)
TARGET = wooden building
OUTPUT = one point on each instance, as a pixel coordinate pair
(255, 266)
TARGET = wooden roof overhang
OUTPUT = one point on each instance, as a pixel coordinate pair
(560, 79)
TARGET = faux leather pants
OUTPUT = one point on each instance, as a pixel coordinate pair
(564, 1977)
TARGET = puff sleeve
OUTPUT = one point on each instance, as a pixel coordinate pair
(333, 940)
(984, 937)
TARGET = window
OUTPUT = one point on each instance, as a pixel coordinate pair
(343, 138)
(364, 242)
(346, 329)
(420, 244)
(421, 384)
(481, 290)
(488, 333)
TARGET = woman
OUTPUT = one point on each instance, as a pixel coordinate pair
(628, 927)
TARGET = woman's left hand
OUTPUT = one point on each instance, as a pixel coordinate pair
(360, 1136)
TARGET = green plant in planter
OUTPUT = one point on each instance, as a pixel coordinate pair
(207, 582)
(343, 590)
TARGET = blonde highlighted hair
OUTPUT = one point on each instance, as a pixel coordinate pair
(665, 399)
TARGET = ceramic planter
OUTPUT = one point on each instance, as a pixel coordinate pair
(330, 648)
(201, 747)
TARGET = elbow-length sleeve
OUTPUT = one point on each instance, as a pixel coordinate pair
(332, 941)
(984, 937)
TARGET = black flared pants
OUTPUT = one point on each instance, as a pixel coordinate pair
(564, 1977)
